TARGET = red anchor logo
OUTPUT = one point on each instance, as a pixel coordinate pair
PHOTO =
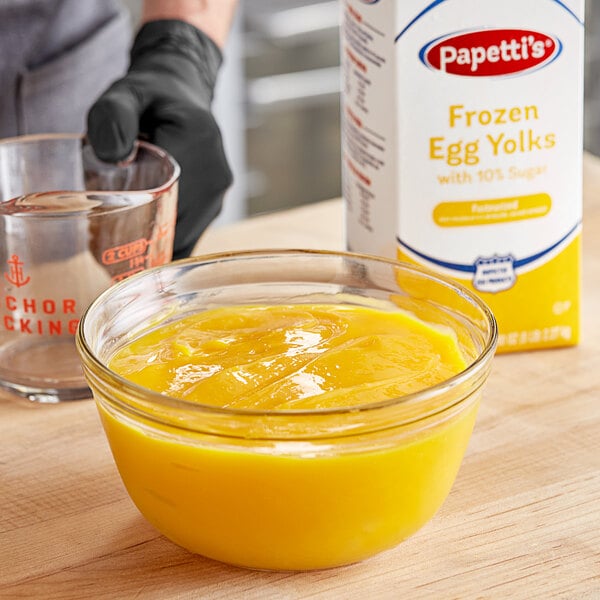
(15, 275)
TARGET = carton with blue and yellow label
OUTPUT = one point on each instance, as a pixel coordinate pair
(462, 150)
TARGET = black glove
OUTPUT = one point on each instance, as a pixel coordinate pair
(166, 97)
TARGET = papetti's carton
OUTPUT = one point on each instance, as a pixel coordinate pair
(462, 150)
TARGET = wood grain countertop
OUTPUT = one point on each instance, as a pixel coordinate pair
(522, 520)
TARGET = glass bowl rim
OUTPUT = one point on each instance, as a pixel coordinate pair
(471, 373)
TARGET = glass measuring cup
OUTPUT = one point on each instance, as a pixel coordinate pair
(70, 226)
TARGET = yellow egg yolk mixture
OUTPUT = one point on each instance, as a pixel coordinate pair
(305, 503)
(291, 357)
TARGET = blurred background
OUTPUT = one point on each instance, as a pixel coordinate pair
(277, 102)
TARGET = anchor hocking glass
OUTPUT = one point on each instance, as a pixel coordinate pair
(70, 226)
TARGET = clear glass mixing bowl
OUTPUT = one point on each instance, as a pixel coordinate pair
(292, 489)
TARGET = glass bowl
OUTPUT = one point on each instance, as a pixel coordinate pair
(288, 489)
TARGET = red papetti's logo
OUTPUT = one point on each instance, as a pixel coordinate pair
(491, 52)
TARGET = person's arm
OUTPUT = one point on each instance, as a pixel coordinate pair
(213, 17)
(166, 97)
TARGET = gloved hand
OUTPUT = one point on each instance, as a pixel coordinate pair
(166, 97)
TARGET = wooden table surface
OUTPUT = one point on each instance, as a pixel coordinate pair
(522, 521)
